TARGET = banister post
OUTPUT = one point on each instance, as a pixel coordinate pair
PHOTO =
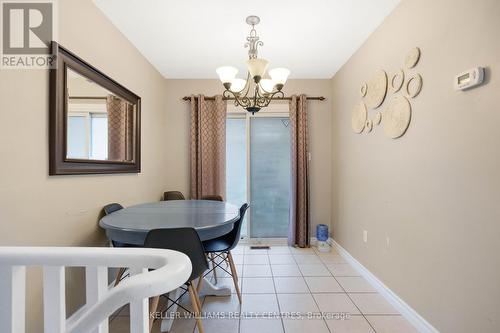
(139, 309)
(54, 299)
(13, 299)
(96, 279)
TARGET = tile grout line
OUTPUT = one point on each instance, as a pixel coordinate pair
(314, 299)
(277, 300)
(348, 296)
(241, 289)
(357, 307)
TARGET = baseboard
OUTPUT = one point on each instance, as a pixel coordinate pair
(273, 241)
(411, 315)
(313, 241)
(263, 241)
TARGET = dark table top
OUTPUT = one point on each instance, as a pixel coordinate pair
(130, 225)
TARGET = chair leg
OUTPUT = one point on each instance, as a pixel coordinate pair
(200, 284)
(119, 275)
(228, 264)
(198, 299)
(197, 309)
(234, 274)
(153, 306)
(212, 259)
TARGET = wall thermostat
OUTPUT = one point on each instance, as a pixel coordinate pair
(469, 79)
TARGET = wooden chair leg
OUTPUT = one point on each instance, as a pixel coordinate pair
(212, 259)
(234, 274)
(200, 284)
(119, 275)
(153, 306)
(195, 302)
(228, 264)
(197, 298)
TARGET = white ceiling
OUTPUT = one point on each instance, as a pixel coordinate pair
(189, 38)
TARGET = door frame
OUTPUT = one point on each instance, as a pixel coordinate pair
(274, 110)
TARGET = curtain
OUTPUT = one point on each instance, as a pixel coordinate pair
(120, 129)
(208, 147)
(298, 231)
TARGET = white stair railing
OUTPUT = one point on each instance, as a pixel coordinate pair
(170, 270)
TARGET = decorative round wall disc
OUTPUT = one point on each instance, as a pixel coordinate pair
(363, 89)
(378, 118)
(413, 86)
(359, 115)
(368, 126)
(397, 80)
(397, 117)
(377, 89)
(412, 58)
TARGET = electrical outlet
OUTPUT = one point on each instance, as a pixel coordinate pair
(365, 236)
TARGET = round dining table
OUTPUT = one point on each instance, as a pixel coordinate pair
(211, 219)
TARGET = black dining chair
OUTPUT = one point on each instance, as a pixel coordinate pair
(212, 197)
(111, 208)
(108, 209)
(220, 248)
(173, 195)
(187, 241)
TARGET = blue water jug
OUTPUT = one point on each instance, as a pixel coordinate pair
(322, 232)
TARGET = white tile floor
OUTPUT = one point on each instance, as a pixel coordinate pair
(289, 290)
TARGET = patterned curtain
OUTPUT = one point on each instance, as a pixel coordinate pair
(120, 129)
(208, 147)
(298, 233)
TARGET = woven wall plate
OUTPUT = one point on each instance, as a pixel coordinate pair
(377, 89)
(412, 58)
(363, 89)
(397, 116)
(413, 86)
(397, 80)
(368, 126)
(359, 115)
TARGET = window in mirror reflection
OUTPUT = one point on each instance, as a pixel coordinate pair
(100, 124)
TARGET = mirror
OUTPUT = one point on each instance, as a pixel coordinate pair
(99, 123)
(94, 121)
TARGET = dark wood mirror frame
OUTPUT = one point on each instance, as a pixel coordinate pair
(59, 164)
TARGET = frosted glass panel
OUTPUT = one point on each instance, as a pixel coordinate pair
(236, 164)
(269, 176)
(77, 137)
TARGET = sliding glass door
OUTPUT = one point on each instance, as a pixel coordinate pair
(236, 163)
(269, 176)
(258, 170)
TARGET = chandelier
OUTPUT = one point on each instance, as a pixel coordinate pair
(256, 92)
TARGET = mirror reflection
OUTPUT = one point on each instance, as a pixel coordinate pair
(100, 124)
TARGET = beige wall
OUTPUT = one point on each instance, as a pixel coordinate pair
(319, 125)
(36, 209)
(435, 192)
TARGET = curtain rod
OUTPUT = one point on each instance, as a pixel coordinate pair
(312, 98)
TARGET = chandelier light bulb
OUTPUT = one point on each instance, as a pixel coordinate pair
(257, 68)
(237, 85)
(227, 73)
(279, 75)
(267, 85)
